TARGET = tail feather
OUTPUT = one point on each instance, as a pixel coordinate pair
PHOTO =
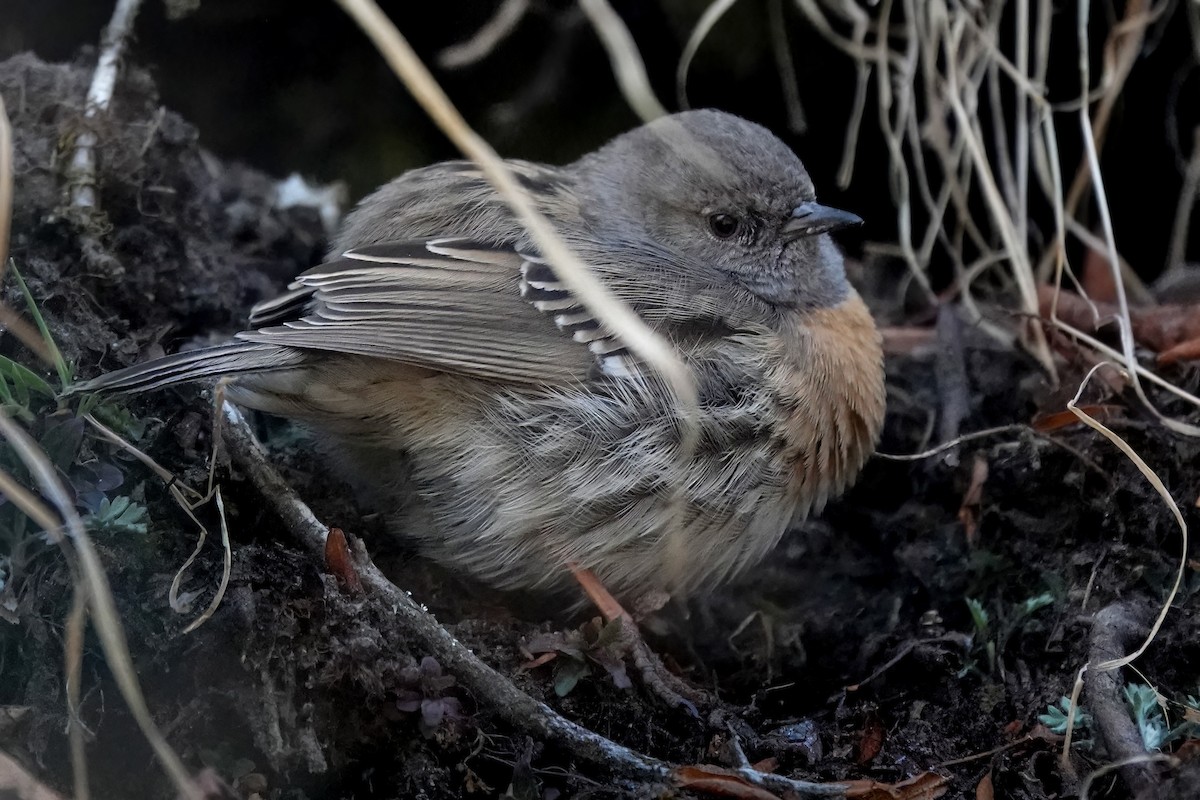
(229, 359)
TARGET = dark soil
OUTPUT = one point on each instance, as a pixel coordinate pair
(295, 688)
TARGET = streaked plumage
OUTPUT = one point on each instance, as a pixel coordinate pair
(480, 404)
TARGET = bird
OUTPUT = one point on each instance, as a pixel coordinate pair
(471, 397)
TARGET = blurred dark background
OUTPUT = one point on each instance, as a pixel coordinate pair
(294, 86)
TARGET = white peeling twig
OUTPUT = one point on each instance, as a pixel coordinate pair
(82, 171)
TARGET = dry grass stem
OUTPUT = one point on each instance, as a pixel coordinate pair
(1163, 492)
(704, 26)
(781, 49)
(502, 24)
(626, 61)
(6, 185)
(93, 582)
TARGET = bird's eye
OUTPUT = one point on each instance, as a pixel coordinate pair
(723, 225)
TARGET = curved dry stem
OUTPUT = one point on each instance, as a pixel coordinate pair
(6, 184)
(626, 61)
(1161, 489)
(502, 24)
(704, 26)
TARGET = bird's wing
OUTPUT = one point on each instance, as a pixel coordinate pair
(450, 304)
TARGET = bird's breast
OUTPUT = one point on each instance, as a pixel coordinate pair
(827, 381)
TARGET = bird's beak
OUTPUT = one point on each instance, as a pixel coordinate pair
(809, 219)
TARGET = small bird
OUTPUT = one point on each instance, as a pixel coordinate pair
(479, 404)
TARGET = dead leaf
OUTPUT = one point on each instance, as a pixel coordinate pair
(984, 789)
(544, 658)
(969, 511)
(1057, 420)
(1097, 278)
(1159, 328)
(766, 765)
(1184, 351)
(870, 742)
(339, 561)
(926, 786)
(706, 779)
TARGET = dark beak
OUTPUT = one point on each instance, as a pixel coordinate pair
(809, 219)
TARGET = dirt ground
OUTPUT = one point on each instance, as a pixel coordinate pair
(853, 653)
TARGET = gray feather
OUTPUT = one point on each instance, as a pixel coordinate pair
(194, 365)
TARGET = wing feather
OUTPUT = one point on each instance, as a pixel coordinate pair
(455, 305)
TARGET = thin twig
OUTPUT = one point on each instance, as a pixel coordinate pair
(1183, 212)
(82, 170)
(1113, 629)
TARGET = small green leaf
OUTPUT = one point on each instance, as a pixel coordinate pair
(1032, 604)
(1143, 706)
(25, 379)
(119, 515)
(1057, 716)
(567, 674)
(60, 363)
(979, 615)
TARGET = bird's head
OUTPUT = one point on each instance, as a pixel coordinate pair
(722, 193)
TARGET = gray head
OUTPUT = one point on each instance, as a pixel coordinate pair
(721, 192)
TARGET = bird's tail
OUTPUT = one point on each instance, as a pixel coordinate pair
(211, 362)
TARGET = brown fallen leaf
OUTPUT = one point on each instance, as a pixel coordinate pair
(339, 562)
(705, 779)
(1057, 420)
(870, 742)
(1184, 351)
(984, 789)
(1159, 328)
(544, 658)
(926, 786)
(1097, 277)
(769, 764)
(969, 511)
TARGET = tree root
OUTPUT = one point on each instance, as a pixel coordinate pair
(1114, 628)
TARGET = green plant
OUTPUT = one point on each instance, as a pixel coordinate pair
(575, 652)
(119, 515)
(991, 637)
(90, 473)
(1057, 717)
(1143, 706)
